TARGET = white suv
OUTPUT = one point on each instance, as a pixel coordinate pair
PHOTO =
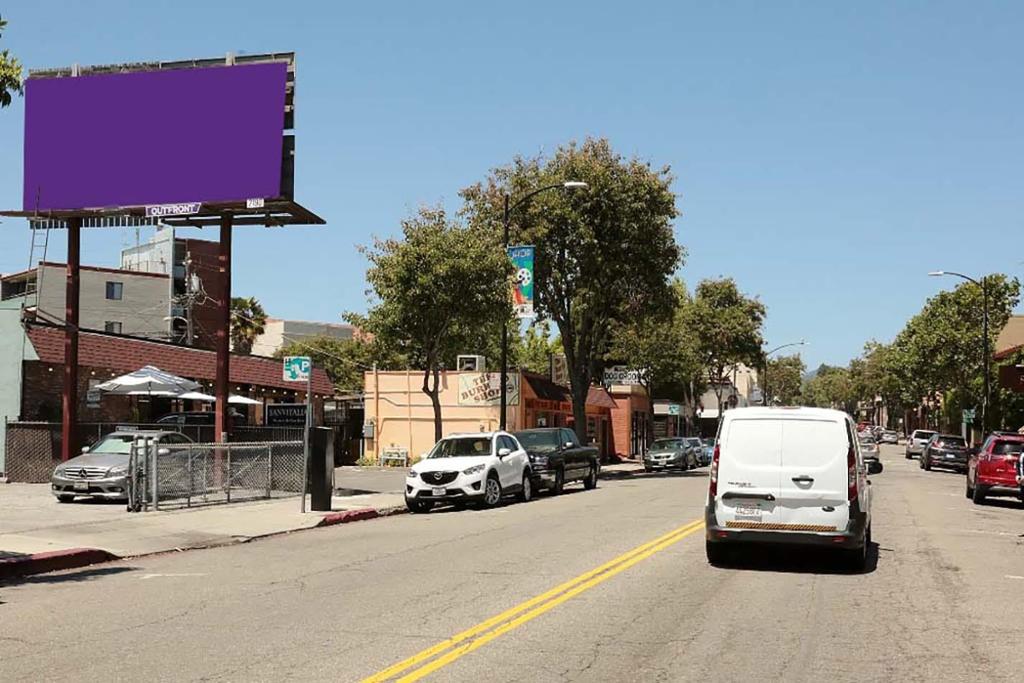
(789, 476)
(463, 468)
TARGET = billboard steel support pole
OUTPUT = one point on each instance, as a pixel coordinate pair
(69, 399)
(223, 415)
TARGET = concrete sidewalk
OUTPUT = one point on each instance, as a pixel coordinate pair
(37, 533)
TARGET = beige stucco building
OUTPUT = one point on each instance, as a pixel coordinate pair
(111, 300)
(400, 418)
(279, 333)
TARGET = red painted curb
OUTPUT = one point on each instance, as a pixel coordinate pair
(357, 515)
(55, 560)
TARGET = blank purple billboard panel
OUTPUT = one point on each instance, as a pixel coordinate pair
(154, 137)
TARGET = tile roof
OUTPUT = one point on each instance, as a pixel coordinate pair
(127, 354)
(547, 390)
(600, 397)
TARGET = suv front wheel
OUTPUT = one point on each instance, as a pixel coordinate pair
(526, 493)
(492, 490)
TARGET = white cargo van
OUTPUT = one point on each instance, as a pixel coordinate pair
(789, 476)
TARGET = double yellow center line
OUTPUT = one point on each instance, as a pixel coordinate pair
(459, 645)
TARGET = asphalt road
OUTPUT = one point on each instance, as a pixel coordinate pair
(942, 599)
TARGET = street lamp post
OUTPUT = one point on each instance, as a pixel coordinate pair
(509, 208)
(984, 338)
(764, 389)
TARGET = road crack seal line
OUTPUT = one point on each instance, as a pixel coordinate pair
(463, 643)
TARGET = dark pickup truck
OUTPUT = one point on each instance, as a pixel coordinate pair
(557, 458)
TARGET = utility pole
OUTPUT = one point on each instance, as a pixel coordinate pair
(190, 298)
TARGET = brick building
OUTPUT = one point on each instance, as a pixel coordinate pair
(630, 419)
(192, 268)
(32, 368)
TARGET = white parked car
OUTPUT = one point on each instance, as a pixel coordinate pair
(464, 468)
(789, 476)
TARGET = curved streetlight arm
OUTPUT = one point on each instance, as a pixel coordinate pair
(785, 346)
(939, 273)
(522, 200)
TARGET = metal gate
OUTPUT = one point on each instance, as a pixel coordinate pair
(185, 475)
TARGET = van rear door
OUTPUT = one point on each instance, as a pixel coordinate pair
(748, 471)
(814, 472)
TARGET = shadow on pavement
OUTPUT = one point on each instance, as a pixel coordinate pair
(790, 560)
(656, 474)
(67, 577)
(1005, 503)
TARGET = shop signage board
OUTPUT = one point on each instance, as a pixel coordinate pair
(620, 374)
(484, 389)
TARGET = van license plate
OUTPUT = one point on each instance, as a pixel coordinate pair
(748, 511)
(438, 492)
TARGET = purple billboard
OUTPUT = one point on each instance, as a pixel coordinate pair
(139, 138)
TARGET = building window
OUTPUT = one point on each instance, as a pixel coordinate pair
(111, 326)
(115, 290)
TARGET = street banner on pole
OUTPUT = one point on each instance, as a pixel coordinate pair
(522, 289)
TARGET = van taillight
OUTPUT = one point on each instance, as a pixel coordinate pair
(851, 475)
(713, 486)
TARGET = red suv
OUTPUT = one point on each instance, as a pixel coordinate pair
(992, 471)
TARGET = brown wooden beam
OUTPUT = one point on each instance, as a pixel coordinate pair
(222, 417)
(69, 397)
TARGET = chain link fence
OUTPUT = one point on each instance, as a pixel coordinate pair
(32, 449)
(187, 475)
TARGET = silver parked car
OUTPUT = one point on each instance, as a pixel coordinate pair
(102, 469)
(672, 452)
(889, 436)
(916, 442)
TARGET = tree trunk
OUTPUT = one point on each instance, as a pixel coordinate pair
(580, 391)
(433, 372)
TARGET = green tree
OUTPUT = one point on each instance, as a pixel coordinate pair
(532, 350)
(247, 322)
(660, 349)
(10, 73)
(604, 254)
(439, 291)
(785, 377)
(830, 387)
(344, 360)
(727, 327)
(658, 346)
(939, 351)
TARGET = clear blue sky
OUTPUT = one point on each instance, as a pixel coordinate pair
(828, 154)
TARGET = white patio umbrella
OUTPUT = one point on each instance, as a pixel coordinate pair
(206, 398)
(198, 396)
(148, 381)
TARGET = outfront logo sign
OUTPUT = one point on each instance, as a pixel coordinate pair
(184, 209)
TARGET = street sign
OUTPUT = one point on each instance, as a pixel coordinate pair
(297, 368)
(673, 409)
(969, 416)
